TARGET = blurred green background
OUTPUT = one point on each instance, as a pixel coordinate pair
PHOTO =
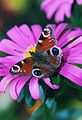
(69, 107)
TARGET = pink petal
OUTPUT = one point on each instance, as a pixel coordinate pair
(73, 73)
(12, 90)
(72, 45)
(64, 9)
(51, 8)
(28, 33)
(21, 84)
(79, 2)
(45, 3)
(59, 29)
(14, 59)
(4, 71)
(18, 37)
(6, 49)
(47, 81)
(12, 45)
(34, 88)
(5, 81)
(59, 16)
(74, 59)
(36, 29)
(68, 8)
(68, 36)
(5, 65)
(6, 60)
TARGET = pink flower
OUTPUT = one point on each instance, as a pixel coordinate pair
(61, 8)
(23, 38)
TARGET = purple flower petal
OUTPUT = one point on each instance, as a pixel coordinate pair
(68, 36)
(6, 60)
(12, 45)
(72, 45)
(21, 84)
(59, 29)
(18, 37)
(14, 59)
(59, 16)
(6, 49)
(46, 6)
(74, 59)
(45, 3)
(67, 9)
(51, 7)
(28, 33)
(36, 29)
(12, 90)
(47, 81)
(4, 72)
(5, 65)
(73, 73)
(5, 81)
(34, 88)
(64, 9)
(79, 2)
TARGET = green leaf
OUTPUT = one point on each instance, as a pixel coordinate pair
(56, 80)
(50, 102)
(21, 95)
(79, 65)
(29, 100)
(71, 84)
(42, 94)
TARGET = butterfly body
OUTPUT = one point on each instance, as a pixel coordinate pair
(44, 61)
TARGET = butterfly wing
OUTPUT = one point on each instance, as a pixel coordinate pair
(23, 67)
(49, 52)
(46, 40)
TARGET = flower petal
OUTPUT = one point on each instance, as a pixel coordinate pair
(59, 29)
(74, 59)
(5, 65)
(72, 45)
(45, 3)
(79, 2)
(34, 88)
(14, 59)
(5, 81)
(36, 29)
(47, 81)
(73, 73)
(59, 16)
(17, 36)
(67, 8)
(68, 36)
(12, 45)
(12, 90)
(4, 71)
(51, 7)
(8, 50)
(21, 84)
(28, 33)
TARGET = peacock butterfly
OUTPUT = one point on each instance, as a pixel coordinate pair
(44, 61)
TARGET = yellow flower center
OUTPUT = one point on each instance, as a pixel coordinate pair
(32, 49)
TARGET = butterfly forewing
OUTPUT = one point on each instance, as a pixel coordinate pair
(23, 67)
